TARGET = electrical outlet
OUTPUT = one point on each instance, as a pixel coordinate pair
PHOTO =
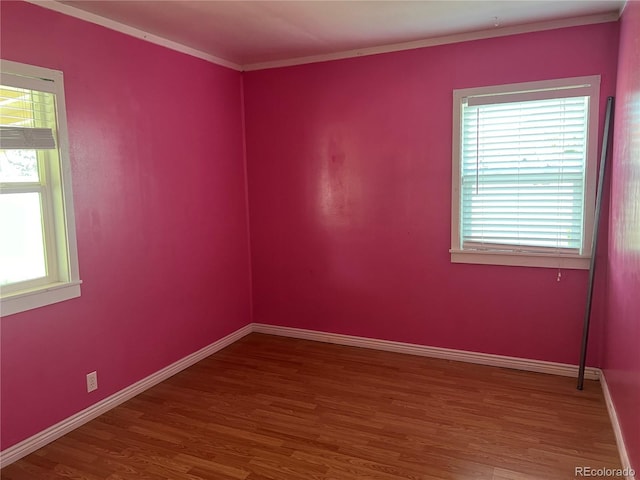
(92, 381)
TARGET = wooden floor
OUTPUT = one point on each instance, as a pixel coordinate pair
(276, 408)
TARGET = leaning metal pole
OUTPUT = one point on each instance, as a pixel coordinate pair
(594, 242)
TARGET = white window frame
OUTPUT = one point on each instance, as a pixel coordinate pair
(590, 85)
(63, 279)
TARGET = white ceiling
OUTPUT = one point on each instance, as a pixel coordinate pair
(250, 33)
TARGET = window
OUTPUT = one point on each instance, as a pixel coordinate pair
(524, 173)
(38, 256)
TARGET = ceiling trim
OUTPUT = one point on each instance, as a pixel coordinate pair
(133, 32)
(430, 42)
(624, 5)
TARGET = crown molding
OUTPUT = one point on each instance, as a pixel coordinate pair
(362, 52)
(132, 31)
(447, 39)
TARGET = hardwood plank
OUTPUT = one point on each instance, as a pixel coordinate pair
(277, 408)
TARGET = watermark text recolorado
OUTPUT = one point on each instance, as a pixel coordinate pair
(584, 471)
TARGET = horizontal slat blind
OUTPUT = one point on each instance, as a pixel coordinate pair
(26, 138)
(27, 119)
(523, 175)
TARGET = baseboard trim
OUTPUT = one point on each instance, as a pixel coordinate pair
(617, 430)
(33, 443)
(493, 360)
(39, 440)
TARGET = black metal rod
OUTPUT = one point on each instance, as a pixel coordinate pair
(594, 241)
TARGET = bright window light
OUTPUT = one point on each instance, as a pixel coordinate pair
(524, 173)
(38, 255)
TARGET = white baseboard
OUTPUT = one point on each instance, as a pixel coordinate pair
(529, 365)
(613, 416)
(31, 444)
(54, 432)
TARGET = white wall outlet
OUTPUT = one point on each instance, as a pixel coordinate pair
(92, 381)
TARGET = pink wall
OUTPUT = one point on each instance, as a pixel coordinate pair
(622, 333)
(159, 190)
(349, 176)
(349, 171)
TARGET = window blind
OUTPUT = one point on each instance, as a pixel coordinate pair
(523, 175)
(26, 138)
(27, 119)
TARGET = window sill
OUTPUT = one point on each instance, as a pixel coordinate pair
(521, 259)
(24, 300)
